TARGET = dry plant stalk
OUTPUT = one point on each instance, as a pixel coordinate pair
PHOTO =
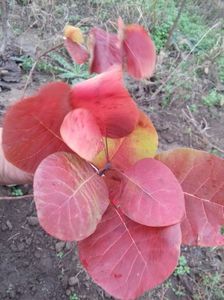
(5, 27)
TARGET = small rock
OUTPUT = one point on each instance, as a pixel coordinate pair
(68, 292)
(33, 221)
(13, 247)
(29, 241)
(26, 263)
(9, 224)
(59, 246)
(4, 227)
(21, 247)
(37, 254)
(73, 281)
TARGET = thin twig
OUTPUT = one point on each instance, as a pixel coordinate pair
(107, 150)
(35, 64)
(189, 116)
(16, 197)
(183, 60)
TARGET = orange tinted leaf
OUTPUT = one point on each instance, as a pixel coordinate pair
(110, 103)
(104, 49)
(77, 52)
(32, 126)
(151, 195)
(138, 50)
(74, 34)
(70, 197)
(126, 151)
(81, 133)
(201, 177)
(126, 258)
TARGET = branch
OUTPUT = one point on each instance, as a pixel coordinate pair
(5, 12)
(35, 64)
(16, 197)
(171, 31)
(183, 60)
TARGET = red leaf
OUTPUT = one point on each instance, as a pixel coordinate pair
(126, 258)
(81, 133)
(201, 177)
(105, 50)
(9, 174)
(151, 195)
(107, 99)
(126, 151)
(139, 53)
(77, 51)
(32, 126)
(113, 179)
(70, 197)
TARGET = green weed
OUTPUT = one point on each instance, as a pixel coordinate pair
(57, 64)
(73, 297)
(16, 191)
(60, 254)
(182, 268)
(212, 287)
(213, 99)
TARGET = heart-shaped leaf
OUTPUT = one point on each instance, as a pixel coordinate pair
(81, 133)
(151, 195)
(126, 258)
(108, 100)
(201, 176)
(70, 197)
(32, 126)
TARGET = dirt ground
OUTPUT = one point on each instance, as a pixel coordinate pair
(35, 266)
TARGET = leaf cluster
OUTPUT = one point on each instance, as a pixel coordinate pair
(98, 178)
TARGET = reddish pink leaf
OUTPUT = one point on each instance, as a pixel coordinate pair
(107, 99)
(77, 51)
(139, 53)
(105, 50)
(81, 133)
(9, 174)
(201, 177)
(70, 197)
(126, 258)
(113, 179)
(151, 195)
(32, 126)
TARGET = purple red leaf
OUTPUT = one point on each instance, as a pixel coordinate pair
(201, 176)
(126, 258)
(70, 197)
(151, 195)
(105, 50)
(138, 50)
